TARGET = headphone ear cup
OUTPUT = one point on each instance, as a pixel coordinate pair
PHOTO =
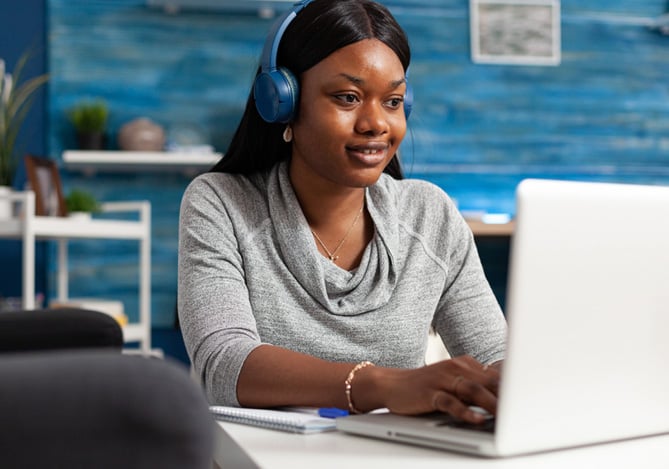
(276, 94)
(408, 100)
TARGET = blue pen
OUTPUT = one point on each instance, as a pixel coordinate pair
(332, 412)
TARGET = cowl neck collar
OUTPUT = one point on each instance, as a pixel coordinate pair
(339, 291)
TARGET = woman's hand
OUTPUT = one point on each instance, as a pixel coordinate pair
(449, 386)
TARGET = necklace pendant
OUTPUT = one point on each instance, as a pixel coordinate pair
(332, 255)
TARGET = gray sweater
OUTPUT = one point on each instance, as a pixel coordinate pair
(250, 273)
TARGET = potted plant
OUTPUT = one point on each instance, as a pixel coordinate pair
(16, 98)
(89, 119)
(81, 203)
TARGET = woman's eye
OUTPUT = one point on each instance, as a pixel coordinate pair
(394, 103)
(348, 98)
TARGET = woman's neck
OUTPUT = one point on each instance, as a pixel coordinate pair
(336, 215)
(324, 202)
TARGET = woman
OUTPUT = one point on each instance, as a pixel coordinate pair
(310, 272)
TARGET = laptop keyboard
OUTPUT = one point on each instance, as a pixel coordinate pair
(487, 426)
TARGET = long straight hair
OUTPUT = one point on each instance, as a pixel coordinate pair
(321, 28)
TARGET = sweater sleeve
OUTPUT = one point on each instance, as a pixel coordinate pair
(469, 318)
(213, 303)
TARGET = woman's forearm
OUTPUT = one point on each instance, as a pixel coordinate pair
(273, 376)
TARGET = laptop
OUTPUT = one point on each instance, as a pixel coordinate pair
(588, 316)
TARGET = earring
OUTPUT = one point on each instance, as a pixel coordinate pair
(287, 134)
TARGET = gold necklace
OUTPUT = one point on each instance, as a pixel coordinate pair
(333, 255)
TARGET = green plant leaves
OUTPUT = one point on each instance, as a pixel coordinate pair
(16, 99)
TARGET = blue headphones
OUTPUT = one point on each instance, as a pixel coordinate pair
(275, 89)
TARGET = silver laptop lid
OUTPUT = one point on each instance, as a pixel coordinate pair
(588, 313)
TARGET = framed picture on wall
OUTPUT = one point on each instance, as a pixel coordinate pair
(44, 179)
(515, 32)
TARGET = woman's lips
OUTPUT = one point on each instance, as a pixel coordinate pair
(369, 155)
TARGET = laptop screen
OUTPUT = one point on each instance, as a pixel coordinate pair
(588, 307)
(588, 311)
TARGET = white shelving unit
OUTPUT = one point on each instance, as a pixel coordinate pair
(30, 228)
(91, 162)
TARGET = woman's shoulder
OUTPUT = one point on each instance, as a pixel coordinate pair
(215, 192)
(421, 207)
(414, 192)
(226, 185)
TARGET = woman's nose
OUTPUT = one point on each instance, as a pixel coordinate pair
(372, 119)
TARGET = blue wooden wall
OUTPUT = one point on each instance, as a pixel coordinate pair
(22, 28)
(476, 130)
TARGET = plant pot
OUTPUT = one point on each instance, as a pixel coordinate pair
(92, 140)
(80, 216)
(5, 203)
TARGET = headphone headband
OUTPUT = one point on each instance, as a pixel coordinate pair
(271, 49)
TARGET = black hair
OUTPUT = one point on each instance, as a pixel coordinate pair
(321, 28)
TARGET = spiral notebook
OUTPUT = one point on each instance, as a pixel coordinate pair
(294, 420)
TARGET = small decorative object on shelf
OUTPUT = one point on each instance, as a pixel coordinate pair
(81, 203)
(141, 134)
(44, 180)
(89, 119)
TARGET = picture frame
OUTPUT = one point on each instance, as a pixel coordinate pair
(44, 179)
(515, 32)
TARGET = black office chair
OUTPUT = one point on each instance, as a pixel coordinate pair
(58, 328)
(80, 403)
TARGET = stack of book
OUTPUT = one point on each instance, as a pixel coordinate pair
(111, 307)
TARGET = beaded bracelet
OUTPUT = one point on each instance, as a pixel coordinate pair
(349, 381)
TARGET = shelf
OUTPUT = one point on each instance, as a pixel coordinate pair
(30, 228)
(90, 162)
(65, 227)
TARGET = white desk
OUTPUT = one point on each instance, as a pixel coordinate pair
(30, 228)
(480, 228)
(275, 449)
